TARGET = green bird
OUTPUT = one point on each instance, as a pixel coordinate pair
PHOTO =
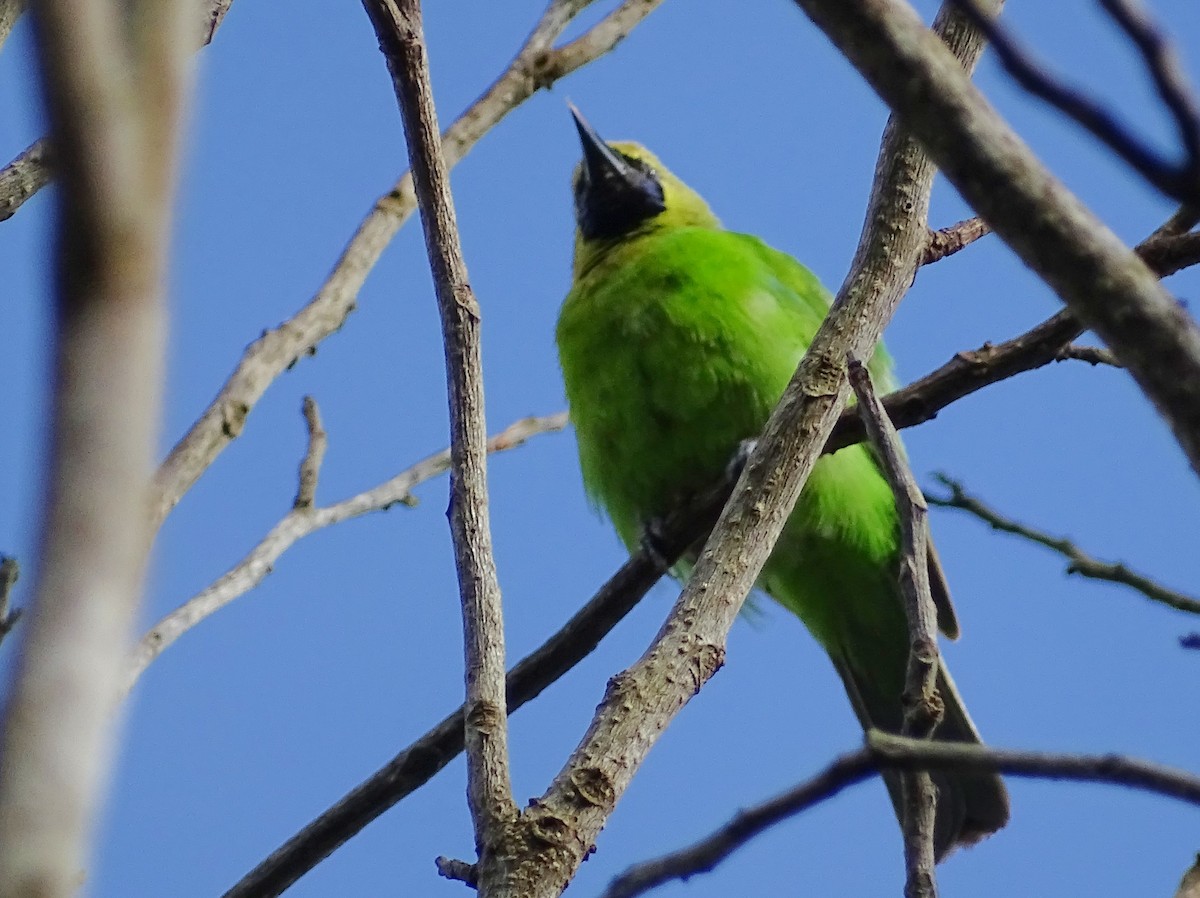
(676, 341)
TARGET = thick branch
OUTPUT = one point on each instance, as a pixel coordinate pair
(116, 146)
(1108, 287)
(1080, 561)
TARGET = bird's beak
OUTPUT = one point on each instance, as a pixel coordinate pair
(614, 196)
(600, 163)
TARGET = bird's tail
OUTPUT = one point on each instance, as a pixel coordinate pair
(970, 806)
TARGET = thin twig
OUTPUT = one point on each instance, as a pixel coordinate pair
(948, 241)
(314, 455)
(704, 856)
(417, 764)
(1080, 561)
(535, 66)
(901, 753)
(923, 707)
(24, 176)
(401, 37)
(1181, 181)
(10, 571)
(1166, 70)
(10, 12)
(299, 522)
(885, 750)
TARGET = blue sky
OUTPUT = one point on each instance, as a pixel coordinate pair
(267, 713)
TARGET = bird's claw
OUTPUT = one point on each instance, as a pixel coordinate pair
(652, 544)
(741, 455)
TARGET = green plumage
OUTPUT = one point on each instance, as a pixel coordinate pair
(676, 341)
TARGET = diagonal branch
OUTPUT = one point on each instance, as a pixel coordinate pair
(1166, 70)
(1181, 181)
(1080, 562)
(10, 571)
(536, 66)
(1108, 287)
(301, 521)
(417, 764)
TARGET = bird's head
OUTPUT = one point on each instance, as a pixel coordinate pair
(621, 189)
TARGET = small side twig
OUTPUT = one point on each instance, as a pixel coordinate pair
(1093, 355)
(10, 571)
(301, 521)
(310, 465)
(947, 241)
(1080, 562)
(922, 704)
(459, 871)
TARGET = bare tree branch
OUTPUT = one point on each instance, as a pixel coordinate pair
(116, 137)
(1110, 289)
(901, 753)
(314, 455)
(884, 750)
(418, 763)
(299, 522)
(704, 856)
(10, 571)
(1178, 180)
(948, 241)
(1189, 886)
(923, 708)
(24, 176)
(10, 12)
(398, 26)
(536, 65)
(1165, 69)
(1093, 355)
(1080, 561)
